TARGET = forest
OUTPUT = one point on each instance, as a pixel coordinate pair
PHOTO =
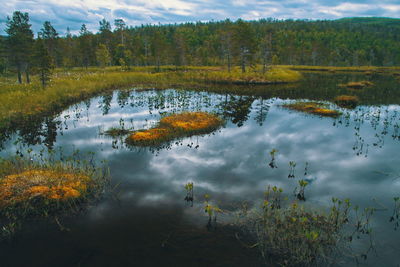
(343, 42)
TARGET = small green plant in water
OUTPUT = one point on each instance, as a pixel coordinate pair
(189, 193)
(299, 192)
(272, 163)
(211, 211)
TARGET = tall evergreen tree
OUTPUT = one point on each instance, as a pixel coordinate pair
(245, 43)
(50, 37)
(42, 61)
(19, 42)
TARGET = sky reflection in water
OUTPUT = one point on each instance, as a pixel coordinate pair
(231, 164)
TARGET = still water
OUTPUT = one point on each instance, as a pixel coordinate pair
(146, 221)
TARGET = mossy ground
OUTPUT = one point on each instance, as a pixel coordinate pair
(313, 108)
(29, 190)
(175, 126)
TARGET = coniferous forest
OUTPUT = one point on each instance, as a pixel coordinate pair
(343, 42)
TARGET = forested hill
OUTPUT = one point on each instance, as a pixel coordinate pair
(343, 42)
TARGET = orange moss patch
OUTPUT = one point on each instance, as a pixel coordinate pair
(47, 184)
(346, 101)
(313, 108)
(153, 135)
(357, 85)
(176, 125)
(191, 121)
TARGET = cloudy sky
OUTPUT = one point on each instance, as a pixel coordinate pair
(73, 13)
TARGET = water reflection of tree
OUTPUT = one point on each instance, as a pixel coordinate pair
(237, 108)
(105, 103)
(262, 109)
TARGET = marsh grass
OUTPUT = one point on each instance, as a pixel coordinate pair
(292, 234)
(32, 190)
(368, 70)
(347, 101)
(175, 126)
(273, 76)
(316, 108)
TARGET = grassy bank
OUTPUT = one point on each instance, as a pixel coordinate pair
(67, 87)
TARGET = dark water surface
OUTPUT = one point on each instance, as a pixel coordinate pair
(147, 222)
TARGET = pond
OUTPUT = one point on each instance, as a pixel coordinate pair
(146, 220)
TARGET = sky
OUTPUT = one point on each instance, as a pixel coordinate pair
(73, 13)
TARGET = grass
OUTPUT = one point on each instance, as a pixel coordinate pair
(29, 189)
(361, 69)
(273, 76)
(175, 126)
(290, 234)
(316, 108)
(346, 101)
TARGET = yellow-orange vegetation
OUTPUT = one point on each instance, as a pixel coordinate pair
(313, 108)
(191, 121)
(176, 125)
(150, 135)
(48, 184)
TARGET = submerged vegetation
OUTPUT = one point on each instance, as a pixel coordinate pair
(29, 189)
(346, 101)
(175, 126)
(357, 85)
(313, 108)
(116, 131)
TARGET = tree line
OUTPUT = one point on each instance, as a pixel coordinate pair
(345, 42)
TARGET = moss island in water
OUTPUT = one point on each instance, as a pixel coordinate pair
(175, 126)
(313, 108)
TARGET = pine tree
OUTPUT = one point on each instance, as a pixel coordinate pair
(245, 43)
(42, 61)
(19, 42)
(50, 37)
